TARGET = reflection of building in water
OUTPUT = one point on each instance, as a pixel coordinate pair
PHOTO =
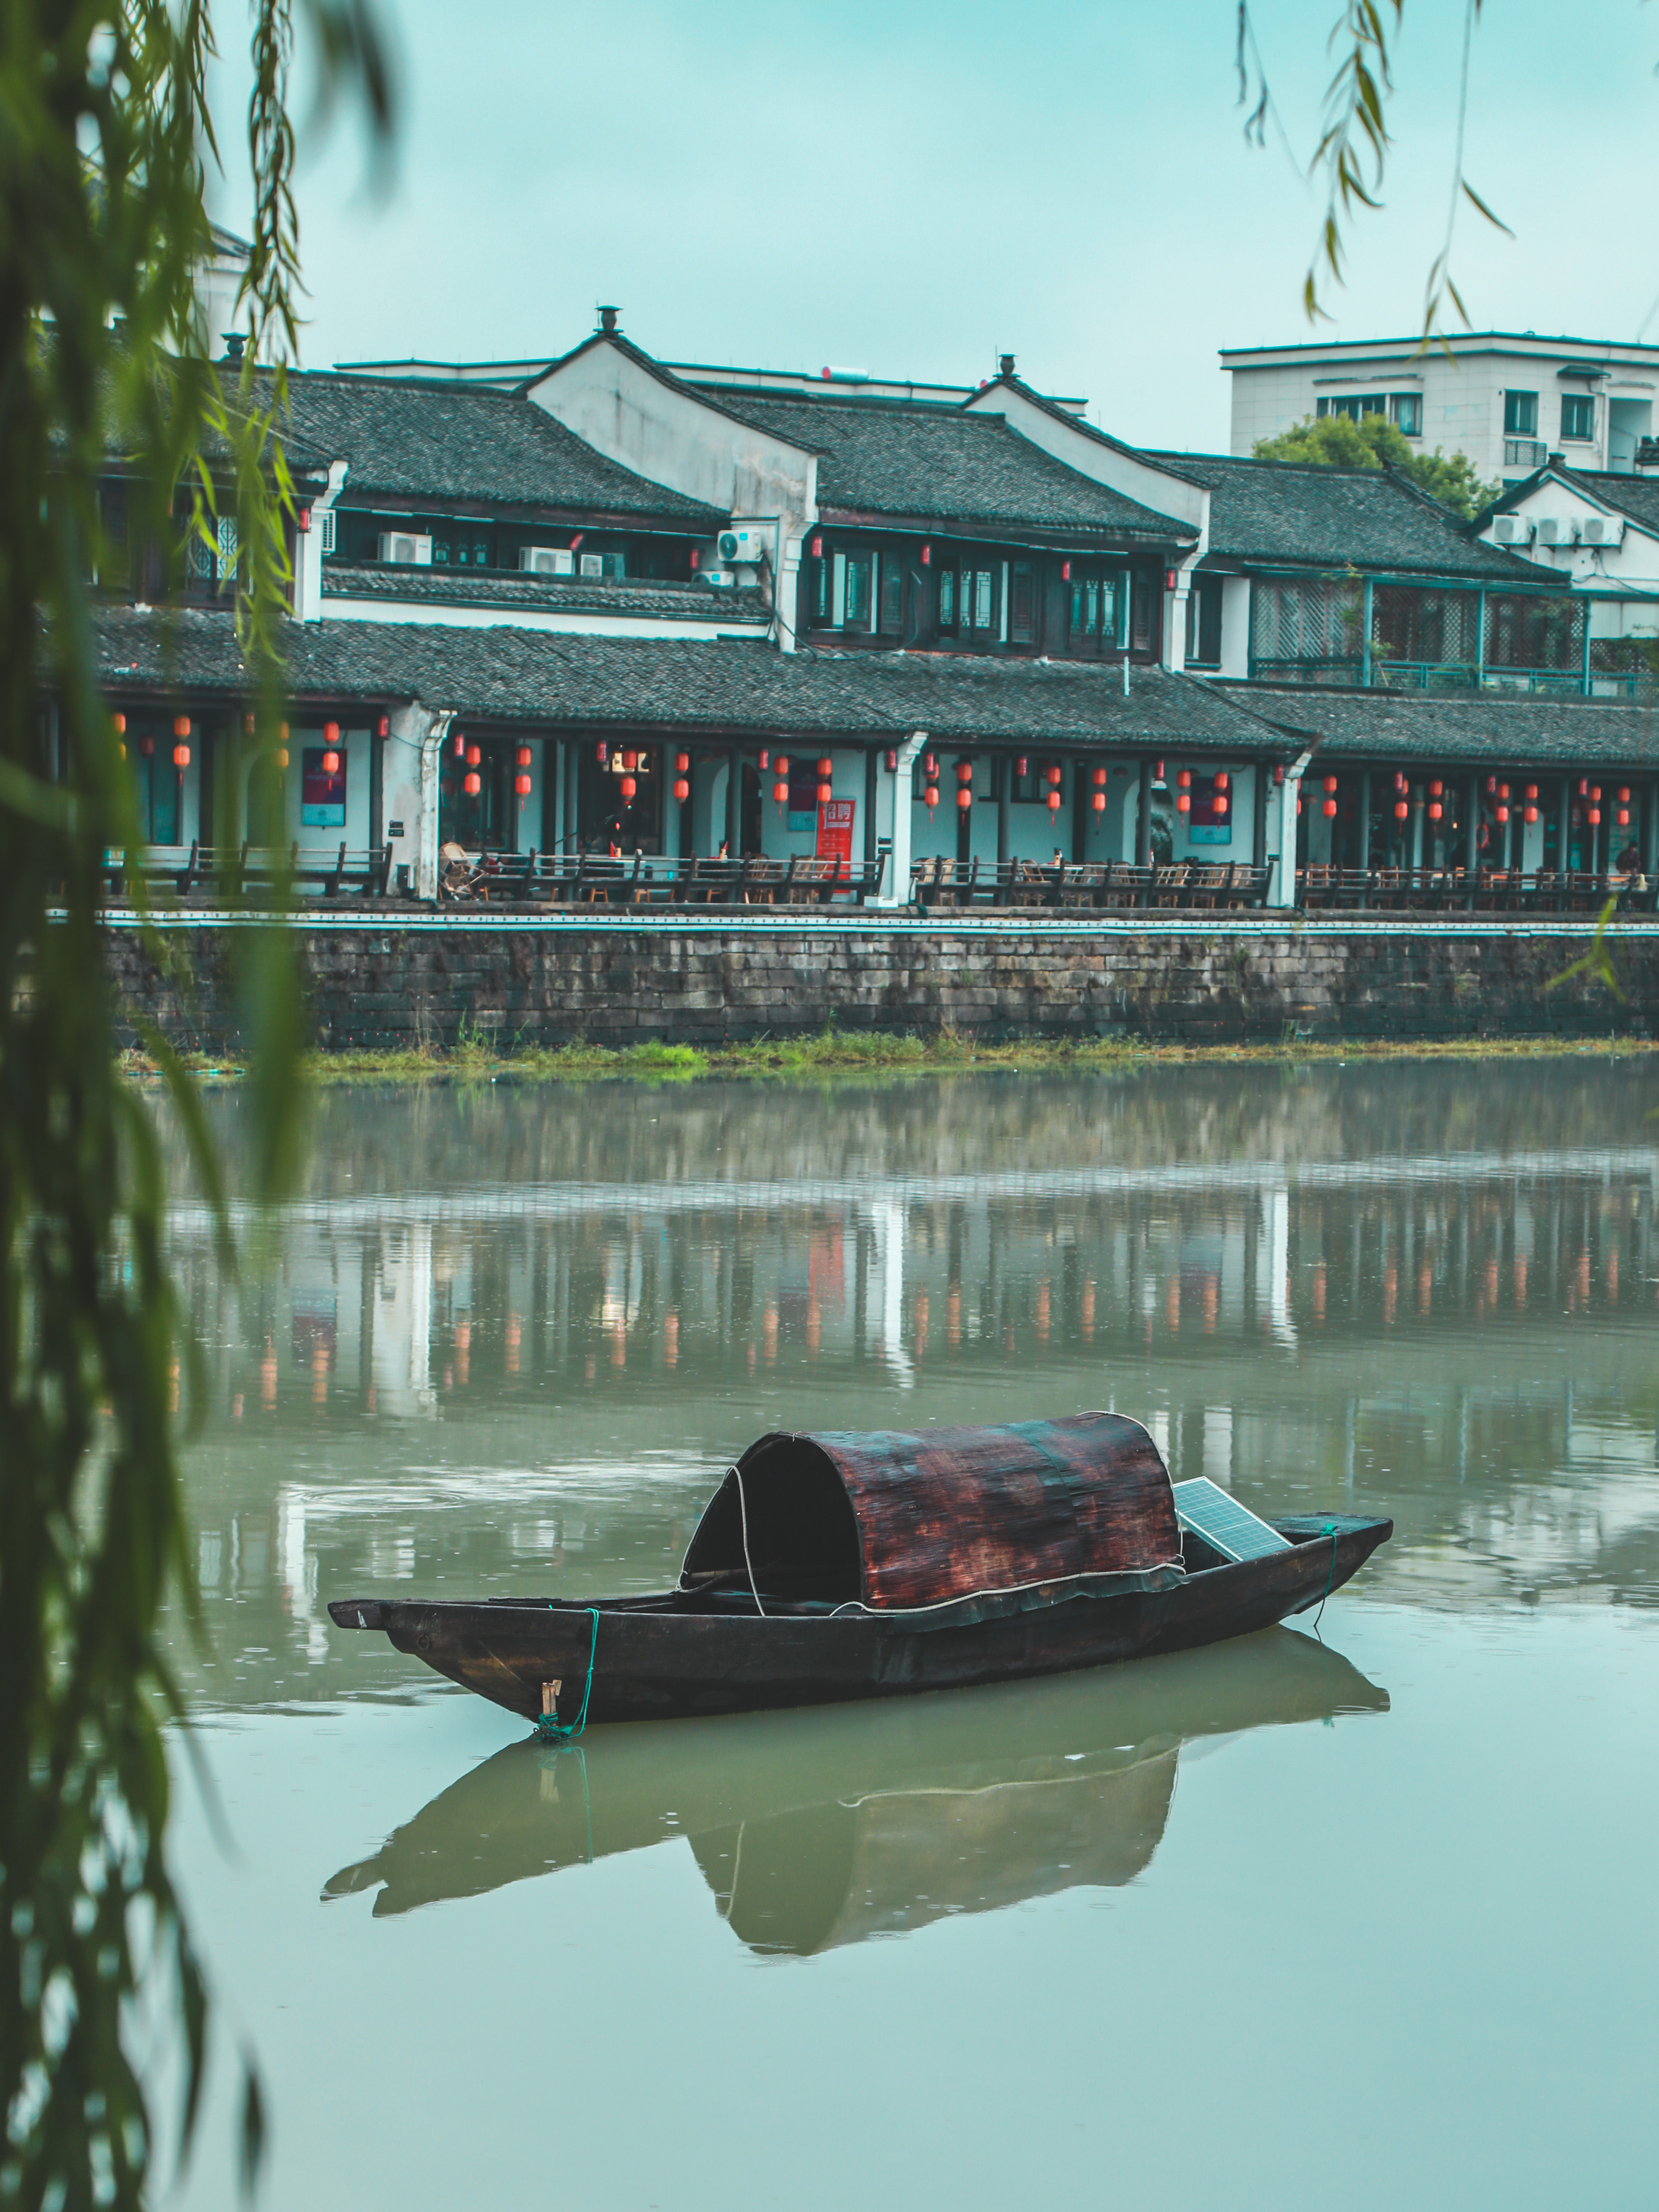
(1401, 1333)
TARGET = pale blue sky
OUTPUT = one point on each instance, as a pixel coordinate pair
(911, 189)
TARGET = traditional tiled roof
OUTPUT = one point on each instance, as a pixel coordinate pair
(446, 441)
(553, 677)
(460, 587)
(1636, 496)
(1488, 728)
(1292, 514)
(917, 461)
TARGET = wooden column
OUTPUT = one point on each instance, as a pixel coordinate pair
(1143, 818)
(1004, 772)
(1471, 846)
(1364, 817)
(377, 746)
(871, 768)
(573, 794)
(734, 804)
(1651, 830)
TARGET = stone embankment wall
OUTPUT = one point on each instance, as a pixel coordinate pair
(391, 986)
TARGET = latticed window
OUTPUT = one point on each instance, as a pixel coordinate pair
(1441, 629)
(1523, 632)
(1310, 628)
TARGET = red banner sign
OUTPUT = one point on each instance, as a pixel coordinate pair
(835, 832)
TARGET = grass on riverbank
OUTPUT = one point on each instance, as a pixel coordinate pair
(840, 1053)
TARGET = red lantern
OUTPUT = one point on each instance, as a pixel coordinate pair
(475, 756)
(1021, 765)
(964, 771)
(1099, 779)
(630, 761)
(817, 548)
(1583, 787)
(1183, 802)
(472, 783)
(1624, 817)
(630, 786)
(1399, 778)
(1054, 802)
(1278, 772)
(1530, 814)
(181, 754)
(824, 767)
(890, 760)
(783, 763)
(1435, 788)
(826, 792)
(383, 727)
(1330, 810)
(1098, 801)
(459, 747)
(779, 792)
(683, 764)
(1594, 817)
(119, 724)
(330, 762)
(601, 752)
(929, 766)
(1400, 810)
(1503, 790)
(927, 556)
(1053, 772)
(523, 757)
(1184, 778)
(964, 797)
(1531, 792)
(181, 729)
(1491, 786)
(1623, 794)
(1065, 572)
(330, 733)
(1502, 813)
(1436, 810)
(1330, 785)
(765, 761)
(1596, 793)
(682, 789)
(521, 784)
(1221, 779)
(930, 796)
(1298, 808)
(1218, 805)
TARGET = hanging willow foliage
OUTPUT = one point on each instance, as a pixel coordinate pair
(105, 143)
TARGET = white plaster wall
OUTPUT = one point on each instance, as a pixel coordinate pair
(354, 745)
(665, 431)
(1235, 626)
(1635, 561)
(1131, 474)
(540, 618)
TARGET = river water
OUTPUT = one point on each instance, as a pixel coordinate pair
(1367, 1919)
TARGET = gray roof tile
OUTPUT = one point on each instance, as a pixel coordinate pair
(443, 441)
(546, 677)
(938, 464)
(1487, 728)
(458, 587)
(1291, 515)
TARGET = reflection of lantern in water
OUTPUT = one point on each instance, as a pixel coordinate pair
(953, 1314)
(514, 1340)
(814, 1328)
(1172, 1303)
(1086, 1317)
(1043, 1311)
(670, 1338)
(1390, 1293)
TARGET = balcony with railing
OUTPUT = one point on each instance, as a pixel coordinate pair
(1524, 453)
(1399, 637)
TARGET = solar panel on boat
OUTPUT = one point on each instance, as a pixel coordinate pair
(1202, 1506)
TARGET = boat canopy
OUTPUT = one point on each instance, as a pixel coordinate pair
(891, 1522)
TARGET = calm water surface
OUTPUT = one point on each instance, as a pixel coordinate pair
(1369, 1917)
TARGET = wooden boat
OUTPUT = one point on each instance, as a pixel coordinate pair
(814, 1830)
(839, 1566)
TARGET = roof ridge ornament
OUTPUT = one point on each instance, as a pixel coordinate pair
(608, 320)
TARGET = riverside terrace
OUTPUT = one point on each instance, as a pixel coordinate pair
(948, 778)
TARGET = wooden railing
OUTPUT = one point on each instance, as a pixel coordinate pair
(1453, 891)
(214, 871)
(1101, 885)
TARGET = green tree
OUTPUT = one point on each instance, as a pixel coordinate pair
(106, 148)
(1337, 441)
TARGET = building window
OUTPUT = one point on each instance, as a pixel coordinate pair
(892, 594)
(1577, 414)
(857, 613)
(1022, 602)
(1405, 413)
(817, 592)
(1203, 622)
(967, 601)
(947, 599)
(1363, 403)
(1100, 609)
(1520, 414)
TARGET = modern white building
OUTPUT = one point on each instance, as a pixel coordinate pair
(1506, 399)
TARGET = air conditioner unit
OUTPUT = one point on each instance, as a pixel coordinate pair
(546, 561)
(1602, 530)
(719, 580)
(1557, 530)
(407, 550)
(593, 564)
(1512, 529)
(746, 541)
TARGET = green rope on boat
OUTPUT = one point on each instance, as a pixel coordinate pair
(549, 1726)
(1329, 1530)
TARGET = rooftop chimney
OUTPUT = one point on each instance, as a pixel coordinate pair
(235, 345)
(1005, 364)
(608, 319)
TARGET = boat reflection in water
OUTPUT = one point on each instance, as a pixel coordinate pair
(823, 1827)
